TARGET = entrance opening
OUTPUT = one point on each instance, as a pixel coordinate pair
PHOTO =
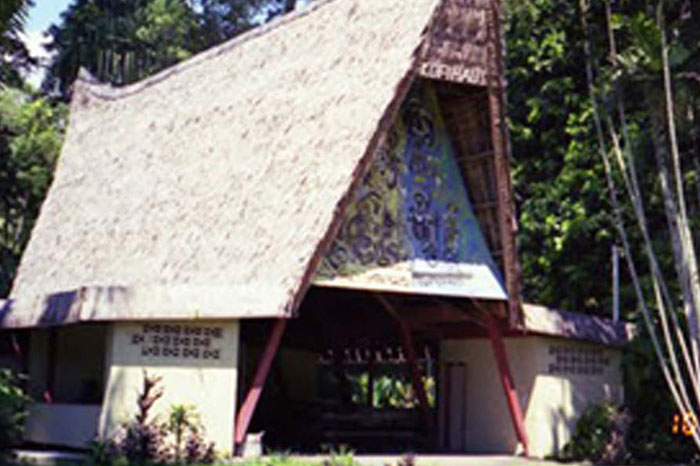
(66, 364)
(343, 375)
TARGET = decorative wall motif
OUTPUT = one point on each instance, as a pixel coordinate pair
(410, 226)
(577, 360)
(178, 341)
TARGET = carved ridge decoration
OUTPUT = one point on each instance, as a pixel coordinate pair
(499, 137)
(456, 48)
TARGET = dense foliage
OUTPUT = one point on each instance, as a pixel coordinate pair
(146, 440)
(31, 129)
(566, 216)
(14, 56)
(651, 436)
(559, 183)
(566, 231)
(13, 411)
(121, 41)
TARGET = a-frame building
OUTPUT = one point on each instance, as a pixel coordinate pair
(331, 188)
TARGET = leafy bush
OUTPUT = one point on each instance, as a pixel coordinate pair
(600, 435)
(142, 440)
(651, 437)
(146, 441)
(13, 409)
(343, 456)
(279, 459)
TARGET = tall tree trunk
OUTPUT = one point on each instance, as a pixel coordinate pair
(657, 116)
(673, 375)
(690, 275)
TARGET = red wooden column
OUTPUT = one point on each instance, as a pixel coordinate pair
(51, 367)
(245, 414)
(516, 412)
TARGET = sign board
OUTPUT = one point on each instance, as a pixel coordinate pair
(457, 47)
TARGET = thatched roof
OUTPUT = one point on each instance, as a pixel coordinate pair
(212, 189)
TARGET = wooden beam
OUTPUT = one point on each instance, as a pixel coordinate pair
(21, 356)
(434, 314)
(516, 412)
(499, 138)
(17, 348)
(245, 414)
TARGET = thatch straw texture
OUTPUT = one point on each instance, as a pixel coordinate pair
(209, 190)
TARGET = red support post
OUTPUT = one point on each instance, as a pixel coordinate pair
(516, 412)
(51, 367)
(17, 348)
(245, 414)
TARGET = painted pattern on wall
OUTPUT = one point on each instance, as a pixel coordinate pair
(410, 226)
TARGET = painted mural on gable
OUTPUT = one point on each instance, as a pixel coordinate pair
(410, 226)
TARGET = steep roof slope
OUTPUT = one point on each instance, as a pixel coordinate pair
(208, 190)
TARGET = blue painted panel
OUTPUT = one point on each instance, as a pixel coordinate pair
(410, 226)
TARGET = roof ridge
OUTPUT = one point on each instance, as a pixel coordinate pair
(86, 82)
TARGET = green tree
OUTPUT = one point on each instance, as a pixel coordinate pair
(30, 139)
(118, 41)
(165, 29)
(122, 41)
(651, 46)
(13, 412)
(13, 53)
(603, 98)
(558, 179)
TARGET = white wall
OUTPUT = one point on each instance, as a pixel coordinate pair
(551, 401)
(206, 382)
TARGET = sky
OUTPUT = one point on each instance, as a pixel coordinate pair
(41, 16)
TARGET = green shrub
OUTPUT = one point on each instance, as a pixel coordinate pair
(145, 441)
(600, 435)
(13, 409)
(651, 437)
(340, 456)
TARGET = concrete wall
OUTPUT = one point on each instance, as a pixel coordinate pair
(198, 366)
(556, 379)
(62, 424)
